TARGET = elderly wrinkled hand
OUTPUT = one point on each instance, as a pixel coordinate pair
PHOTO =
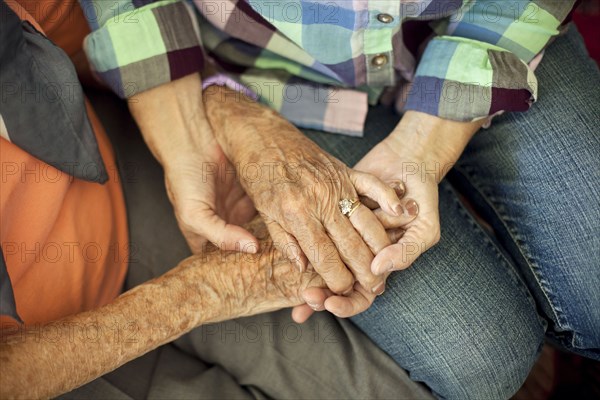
(297, 187)
(419, 152)
(252, 283)
(319, 299)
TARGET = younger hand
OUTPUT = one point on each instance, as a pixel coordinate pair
(360, 299)
(420, 151)
(208, 200)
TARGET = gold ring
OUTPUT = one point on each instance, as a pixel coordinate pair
(347, 206)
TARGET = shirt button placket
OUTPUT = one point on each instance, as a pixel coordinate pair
(378, 42)
(385, 18)
(379, 60)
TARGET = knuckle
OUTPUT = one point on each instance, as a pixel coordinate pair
(279, 240)
(430, 232)
(323, 264)
(339, 284)
(289, 206)
(370, 282)
(291, 210)
(367, 179)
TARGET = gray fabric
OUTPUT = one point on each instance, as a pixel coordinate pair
(42, 102)
(266, 356)
(7, 296)
(325, 358)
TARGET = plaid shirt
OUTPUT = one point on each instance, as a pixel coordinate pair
(321, 63)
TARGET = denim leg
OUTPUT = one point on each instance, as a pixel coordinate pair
(469, 316)
(535, 177)
(460, 320)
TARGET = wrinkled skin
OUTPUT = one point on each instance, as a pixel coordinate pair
(249, 284)
(296, 187)
(223, 154)
(209, 287)
(419, 152)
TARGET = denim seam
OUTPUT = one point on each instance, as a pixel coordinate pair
(508, 265)
(469, 173)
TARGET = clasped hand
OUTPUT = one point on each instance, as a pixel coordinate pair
(258, 161)
(296, 188)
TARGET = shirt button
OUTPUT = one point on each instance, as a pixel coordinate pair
(385, 18)
(379, 60)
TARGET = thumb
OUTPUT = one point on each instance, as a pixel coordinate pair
(401, 255)
(206, 223)
(301, 313)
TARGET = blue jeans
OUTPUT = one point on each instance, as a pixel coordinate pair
(469, 317)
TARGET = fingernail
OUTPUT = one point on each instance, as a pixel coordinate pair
(412, 207)
(314, 306)
(347, 292)
(379, 289)
(399, 188)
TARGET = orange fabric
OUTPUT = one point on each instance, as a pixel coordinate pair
(64, 240)
(61, 20)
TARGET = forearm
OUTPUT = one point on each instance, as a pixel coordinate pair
(203, 289)
(174, 116)
(171, 117)
(424, 137)
(435, 144)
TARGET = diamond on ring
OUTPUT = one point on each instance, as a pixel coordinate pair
(348, 206)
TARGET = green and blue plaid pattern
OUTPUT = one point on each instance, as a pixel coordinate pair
(320, 63)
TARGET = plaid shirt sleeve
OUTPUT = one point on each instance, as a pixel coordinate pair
(136, 45)
(479, 65)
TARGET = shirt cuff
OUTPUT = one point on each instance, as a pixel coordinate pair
(306, 106)
(146, 47)
(467, 80)
(224, 80)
